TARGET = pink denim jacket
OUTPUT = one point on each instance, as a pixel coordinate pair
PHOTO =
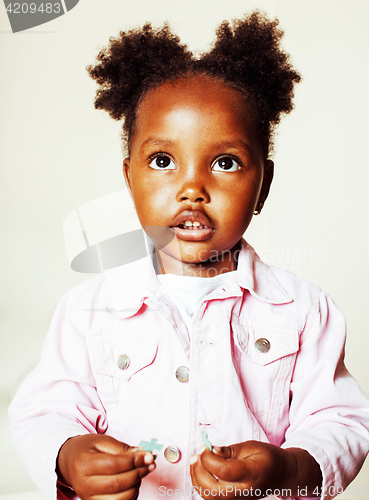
(265, 362)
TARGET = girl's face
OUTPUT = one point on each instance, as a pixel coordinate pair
(196, 174)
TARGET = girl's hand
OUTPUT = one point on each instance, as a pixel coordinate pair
(254, 469)
(100, 466)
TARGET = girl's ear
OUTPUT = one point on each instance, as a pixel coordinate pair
(267, 181)
(126, 174)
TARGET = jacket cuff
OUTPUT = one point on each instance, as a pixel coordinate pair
(328, 489)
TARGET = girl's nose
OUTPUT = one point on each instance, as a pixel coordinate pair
(193, 189)
(193, 193)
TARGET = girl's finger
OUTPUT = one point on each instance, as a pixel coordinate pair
(117, 483)
(201, 478)
(210, 489)
(108, 464)
(225, 469)
(105, 444)
(224, 451)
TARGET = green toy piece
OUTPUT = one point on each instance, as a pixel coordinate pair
(205, 440)
(153, 445)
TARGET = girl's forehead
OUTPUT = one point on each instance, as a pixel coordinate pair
(201, 88)
(201, 95)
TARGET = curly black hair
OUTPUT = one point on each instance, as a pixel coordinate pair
(246, 56)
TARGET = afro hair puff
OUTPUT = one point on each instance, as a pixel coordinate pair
(246, 55)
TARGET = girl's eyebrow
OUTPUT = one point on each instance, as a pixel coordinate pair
(237, 144)
(157, 142)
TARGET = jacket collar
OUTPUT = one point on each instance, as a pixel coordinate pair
(258, 278)
(132, 283)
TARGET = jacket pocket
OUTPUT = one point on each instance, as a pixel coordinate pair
(263, 345)
(265, 359)
(125, 373)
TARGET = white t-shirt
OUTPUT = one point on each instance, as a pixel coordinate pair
(187, 291)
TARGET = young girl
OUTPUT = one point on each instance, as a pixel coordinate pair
(200, 340)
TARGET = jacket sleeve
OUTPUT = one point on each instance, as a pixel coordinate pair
(58, 400)
(329, 414)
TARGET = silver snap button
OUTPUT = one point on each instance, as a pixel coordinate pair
(182, 374)
(262, 345)
(172, 454)
(123, 362)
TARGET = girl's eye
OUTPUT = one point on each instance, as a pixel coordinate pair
(226, 163)
(162, 162)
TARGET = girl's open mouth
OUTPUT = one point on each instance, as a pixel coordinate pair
(192, 231)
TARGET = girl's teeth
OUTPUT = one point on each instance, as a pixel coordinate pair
(193, 225)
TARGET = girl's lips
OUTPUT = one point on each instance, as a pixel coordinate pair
(193, 235)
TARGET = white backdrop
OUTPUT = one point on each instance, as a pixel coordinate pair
(57, 152)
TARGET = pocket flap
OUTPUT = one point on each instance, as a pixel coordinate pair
(265, 345)
(124, 359)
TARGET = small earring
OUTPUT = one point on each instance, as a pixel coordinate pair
(259, 209)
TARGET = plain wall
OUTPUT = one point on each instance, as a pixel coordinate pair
(57, 152)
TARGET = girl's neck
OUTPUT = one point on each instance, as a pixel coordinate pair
(226, 262)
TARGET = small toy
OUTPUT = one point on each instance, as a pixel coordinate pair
(205, 440)
(153, 445)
